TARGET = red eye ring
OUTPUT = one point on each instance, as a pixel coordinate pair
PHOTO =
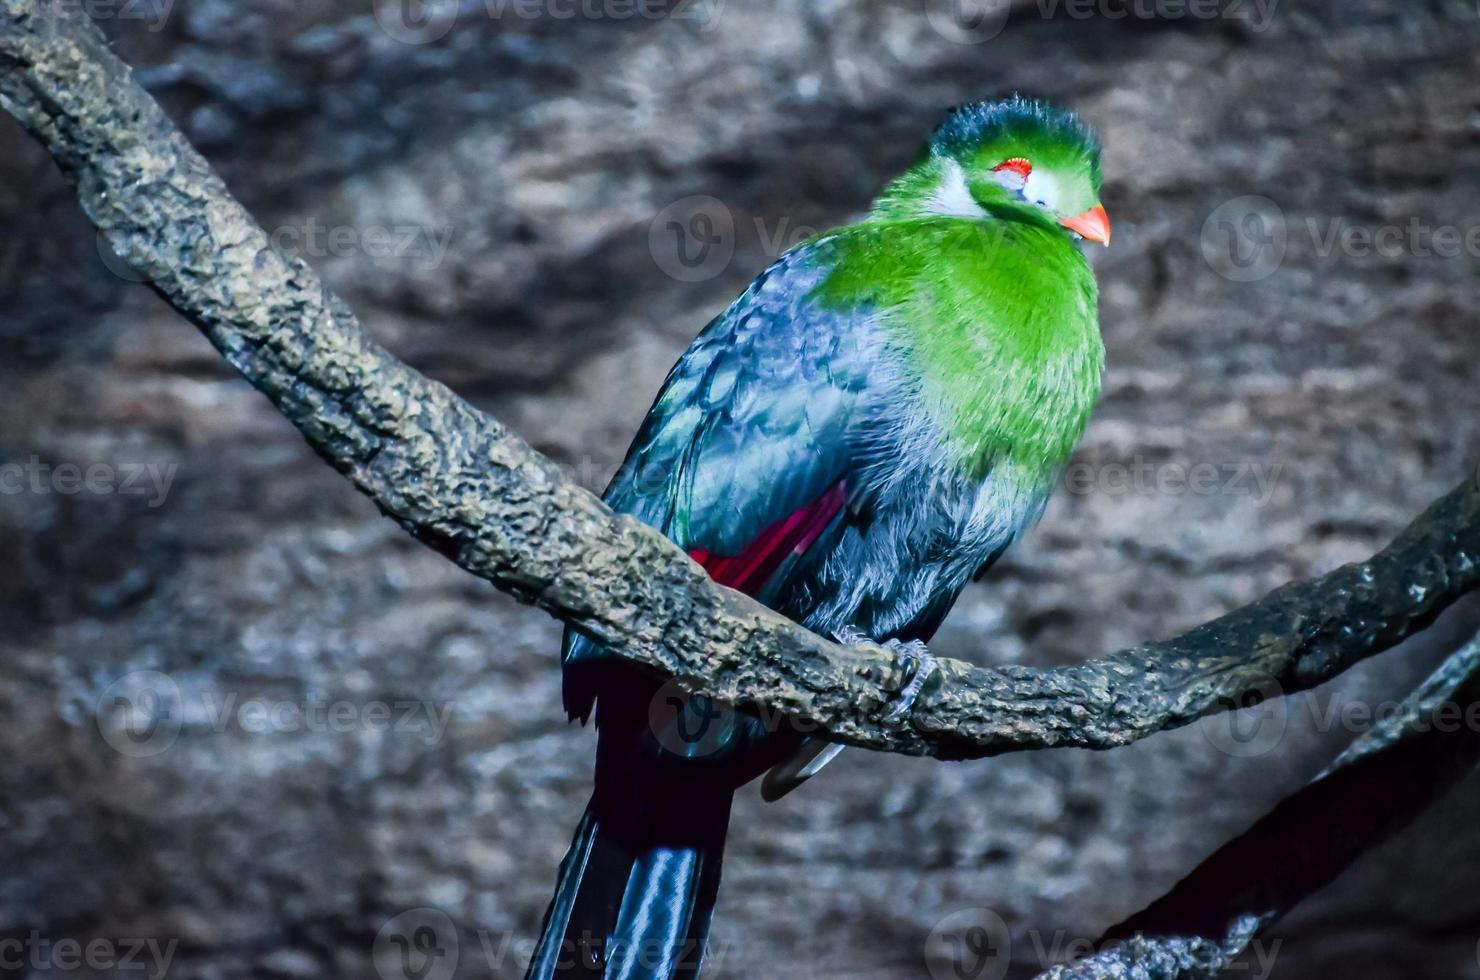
(1018, 165)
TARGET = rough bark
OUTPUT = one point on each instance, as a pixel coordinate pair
(1375, 788)
(465, 485)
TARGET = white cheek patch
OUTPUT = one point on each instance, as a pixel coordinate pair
(1041, 188)
(953, 197)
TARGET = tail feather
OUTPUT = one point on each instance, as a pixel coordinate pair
(632, 909)
(553, 958)
(637, 889)
(664, 922)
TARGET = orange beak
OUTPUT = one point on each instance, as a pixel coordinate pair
(1093, 224)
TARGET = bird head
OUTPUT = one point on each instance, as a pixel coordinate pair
(1016, 158)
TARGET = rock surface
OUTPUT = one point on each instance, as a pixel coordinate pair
(348, 728)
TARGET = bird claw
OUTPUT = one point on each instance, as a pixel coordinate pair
(918, 665)
(915, 660)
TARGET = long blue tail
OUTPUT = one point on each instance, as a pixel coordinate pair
(630, 910)
(637, 888)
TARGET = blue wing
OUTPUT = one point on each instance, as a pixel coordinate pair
(757, 422)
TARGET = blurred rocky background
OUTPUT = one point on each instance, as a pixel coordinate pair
(245, 718)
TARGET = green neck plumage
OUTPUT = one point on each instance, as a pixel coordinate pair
(909, 195)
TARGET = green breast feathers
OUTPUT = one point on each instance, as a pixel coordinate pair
(994, 320)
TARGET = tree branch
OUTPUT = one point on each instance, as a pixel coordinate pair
(1378, 786)
(465, 485)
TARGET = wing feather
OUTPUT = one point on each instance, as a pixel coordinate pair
(745, 455)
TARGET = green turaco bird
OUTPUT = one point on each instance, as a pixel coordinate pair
(864, 430)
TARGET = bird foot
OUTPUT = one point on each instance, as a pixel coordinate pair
(918, 665)
(916, 662)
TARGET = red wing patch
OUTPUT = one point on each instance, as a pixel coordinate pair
(792, 535)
